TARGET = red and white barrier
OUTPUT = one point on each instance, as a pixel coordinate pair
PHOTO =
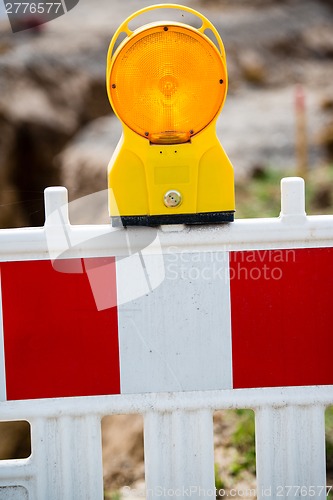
(172, 323)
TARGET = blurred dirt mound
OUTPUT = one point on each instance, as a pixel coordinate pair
(122, 450)
(49, 90)
(14, 440)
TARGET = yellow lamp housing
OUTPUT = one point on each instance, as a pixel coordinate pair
(167, 82)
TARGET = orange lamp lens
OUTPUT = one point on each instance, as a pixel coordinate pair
(167, 83)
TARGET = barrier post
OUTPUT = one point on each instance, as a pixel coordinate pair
(68, 453)
(290, 452)
(179, 454)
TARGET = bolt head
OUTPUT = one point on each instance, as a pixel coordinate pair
(172, 199)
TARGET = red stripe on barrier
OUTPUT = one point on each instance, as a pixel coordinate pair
(282, 317)
(57, 342)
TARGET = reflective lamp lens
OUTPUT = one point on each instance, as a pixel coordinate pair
(167, 83)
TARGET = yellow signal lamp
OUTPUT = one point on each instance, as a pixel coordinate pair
(167, 82)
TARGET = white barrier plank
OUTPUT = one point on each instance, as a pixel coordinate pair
(168, 402)
(293, 229)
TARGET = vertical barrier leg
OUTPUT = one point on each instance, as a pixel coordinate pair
(67, 453)
(179, 455)
(290, 450)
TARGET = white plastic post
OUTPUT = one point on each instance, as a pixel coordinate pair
(290, 452)
(56, 205)
(292, 198)
(67, 453)
(179, 454)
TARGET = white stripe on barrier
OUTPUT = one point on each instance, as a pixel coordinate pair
(138, 275)
(183, 344)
